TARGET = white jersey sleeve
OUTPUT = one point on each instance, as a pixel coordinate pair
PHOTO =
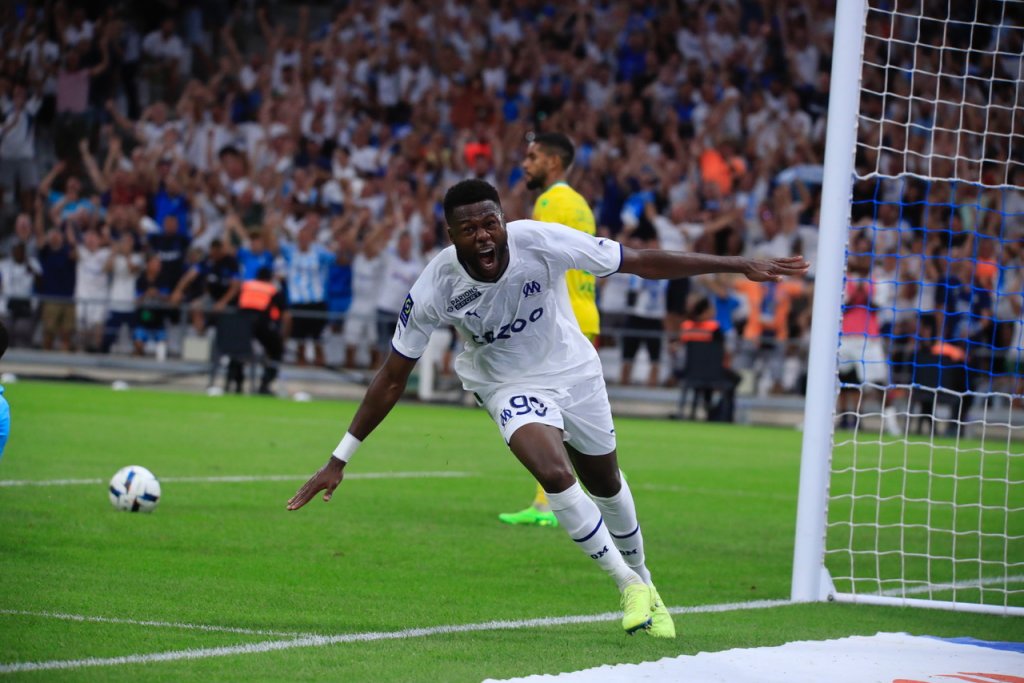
(418, 317)
(573, 249)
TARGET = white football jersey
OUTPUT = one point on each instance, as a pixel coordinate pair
(366, 278)
(90, 278)
(520, 329)
(399, 276)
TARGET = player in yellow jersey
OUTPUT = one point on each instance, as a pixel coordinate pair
(548, 159)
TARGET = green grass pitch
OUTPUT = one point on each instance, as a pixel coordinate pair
(717, 504)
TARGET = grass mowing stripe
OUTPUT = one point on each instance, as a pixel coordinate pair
(241, 479)
(701, 491)
(321, 641)
(159, 624)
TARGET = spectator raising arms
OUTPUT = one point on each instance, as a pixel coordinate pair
(702, 120)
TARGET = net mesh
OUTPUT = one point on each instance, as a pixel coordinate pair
(927, 487)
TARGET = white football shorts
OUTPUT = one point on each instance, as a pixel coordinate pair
(865, 357)
(581, 411)
(90, 314)
(360, 328)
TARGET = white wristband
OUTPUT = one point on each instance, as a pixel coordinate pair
(346, 448)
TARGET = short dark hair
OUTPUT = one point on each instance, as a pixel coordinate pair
(468, 192)
(700, 306)
(557, 144)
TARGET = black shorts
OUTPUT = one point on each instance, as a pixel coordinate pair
(308, 326)
(652, 329)
(676, 295)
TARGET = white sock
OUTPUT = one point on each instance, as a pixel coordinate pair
(619, 514)
(580, 517)
(892, 423)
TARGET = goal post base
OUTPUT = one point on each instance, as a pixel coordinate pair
(896, 601)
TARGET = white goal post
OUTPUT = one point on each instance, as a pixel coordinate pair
(887, 515)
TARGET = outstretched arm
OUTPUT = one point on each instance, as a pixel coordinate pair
(381, 396)
(91, 167)
(655, 264)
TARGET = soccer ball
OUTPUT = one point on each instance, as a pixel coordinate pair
(134, 489)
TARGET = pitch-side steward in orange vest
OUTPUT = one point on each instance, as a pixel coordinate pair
(698, 331)
(257, 295)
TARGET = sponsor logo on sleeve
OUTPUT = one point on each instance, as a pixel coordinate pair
(406, 310)
(464, 299)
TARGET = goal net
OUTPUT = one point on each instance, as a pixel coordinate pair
(925, 484)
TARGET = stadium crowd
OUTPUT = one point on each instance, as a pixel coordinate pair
(156, 155)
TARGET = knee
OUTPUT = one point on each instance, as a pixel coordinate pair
(554, 477)
(605, 484)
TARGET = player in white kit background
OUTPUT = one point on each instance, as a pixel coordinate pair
(533, 370)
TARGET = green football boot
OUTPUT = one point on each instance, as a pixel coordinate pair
(531, 516)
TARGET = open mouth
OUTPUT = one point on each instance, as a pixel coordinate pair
(488, 258)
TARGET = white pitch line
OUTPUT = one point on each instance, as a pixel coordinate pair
(239, 479)
(161, 624)
(321, 641)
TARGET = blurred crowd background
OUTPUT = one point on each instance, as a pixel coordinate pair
(155, 155)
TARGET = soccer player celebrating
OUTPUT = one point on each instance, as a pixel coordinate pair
(531, 367)
(548, 159)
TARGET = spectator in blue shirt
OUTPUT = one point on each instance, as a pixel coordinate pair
(170, 200)
(339, 284)
(254, 251)
(217, 274)
(306, 267)
(66, 204)
(57, 286)
(632, 57)
(172, 248)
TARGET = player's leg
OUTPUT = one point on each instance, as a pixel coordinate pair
(590, 434)
(273, 350)
(66, 324)
(316, 330)
(610, 492)
(630, 345)
(195, 311)
(653, 344)
(539, 511)
(540, 449)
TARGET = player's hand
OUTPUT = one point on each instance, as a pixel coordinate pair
(326, 479)
(773, 270)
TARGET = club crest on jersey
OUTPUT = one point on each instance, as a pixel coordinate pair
(464, 299)
(406, 310)
(531, 288)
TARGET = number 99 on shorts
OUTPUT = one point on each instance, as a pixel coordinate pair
(522, 404)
